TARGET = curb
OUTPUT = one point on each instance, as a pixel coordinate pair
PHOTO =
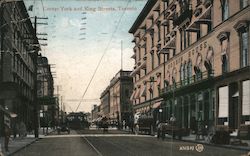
(214, 145)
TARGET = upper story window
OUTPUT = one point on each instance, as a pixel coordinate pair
(152, 37)
(159, 30)
(173, 52)
(183, 38)
(243, 31)
(198, 67)
(158, 83)
(174, 75)
(224, 39)
(139, 53)
(243, 4)
(145, 49)
(208, 63)
(244, 52)
(225, 9)
(152, 59)
(165, 5)
(159, 59)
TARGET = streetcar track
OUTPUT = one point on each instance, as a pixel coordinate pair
(92, 146)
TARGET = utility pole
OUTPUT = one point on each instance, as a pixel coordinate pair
(37, 48)
(121, 55)
(36, 118)
(1, 71)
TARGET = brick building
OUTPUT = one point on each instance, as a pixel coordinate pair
(192, 61)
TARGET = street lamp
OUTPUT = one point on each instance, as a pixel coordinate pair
(160, 117)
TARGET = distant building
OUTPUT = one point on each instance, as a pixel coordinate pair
(94, 113)
(105, 101)
(18, 43)
(192, 60)
(49, 105)
(118, 93)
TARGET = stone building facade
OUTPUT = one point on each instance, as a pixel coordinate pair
(18, 44)
(105, 100)
(192, 61)
(116, 98)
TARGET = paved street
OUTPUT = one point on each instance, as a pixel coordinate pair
(64, 145)
(94, 144)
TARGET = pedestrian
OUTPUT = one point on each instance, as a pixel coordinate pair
(22, 129)
(136, 129)
(123, 124)
(6, 137)
(172, 119)
(173, 124)
(158, 126)
(105, 125)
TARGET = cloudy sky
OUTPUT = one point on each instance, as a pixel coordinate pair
(79, 33)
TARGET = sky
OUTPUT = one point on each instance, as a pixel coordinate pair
(80, 32)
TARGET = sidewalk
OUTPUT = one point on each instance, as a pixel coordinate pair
(19, 143)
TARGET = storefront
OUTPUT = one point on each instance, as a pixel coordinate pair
(192, 104)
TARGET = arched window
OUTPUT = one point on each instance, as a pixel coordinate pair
(152, 59)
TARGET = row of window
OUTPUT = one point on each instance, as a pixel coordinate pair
(24, 88)
(185, 36)
(22, 69)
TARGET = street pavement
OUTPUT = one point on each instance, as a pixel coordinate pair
(118, 143)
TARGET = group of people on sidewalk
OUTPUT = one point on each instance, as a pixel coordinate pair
(15, 130)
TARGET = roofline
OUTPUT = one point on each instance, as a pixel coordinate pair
(149, 5)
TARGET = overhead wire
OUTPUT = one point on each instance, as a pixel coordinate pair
(105, 51)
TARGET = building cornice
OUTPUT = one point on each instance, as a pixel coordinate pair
(147, 8)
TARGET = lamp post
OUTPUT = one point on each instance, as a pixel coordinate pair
(160, 117)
